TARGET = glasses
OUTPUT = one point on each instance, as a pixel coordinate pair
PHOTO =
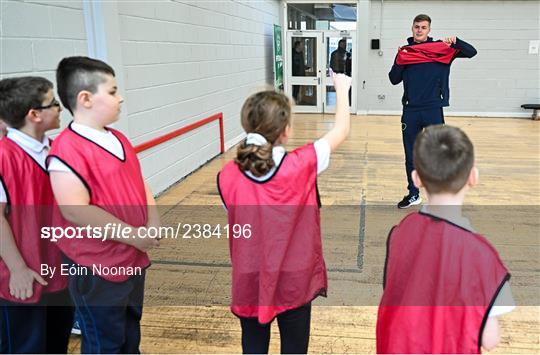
(54, 103)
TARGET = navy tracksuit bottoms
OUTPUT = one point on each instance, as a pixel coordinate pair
(412, 123)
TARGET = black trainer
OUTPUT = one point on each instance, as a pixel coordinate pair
(409, 200)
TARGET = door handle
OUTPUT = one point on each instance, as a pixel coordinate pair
(319, 81)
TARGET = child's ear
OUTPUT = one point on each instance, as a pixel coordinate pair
(288, 131)
(474, 175)
(416, 179)
(33, 116)
(84, 99)
(284, 136)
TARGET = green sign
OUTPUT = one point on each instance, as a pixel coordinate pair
(278, 59)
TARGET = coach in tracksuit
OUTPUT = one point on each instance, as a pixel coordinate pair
(425, 84)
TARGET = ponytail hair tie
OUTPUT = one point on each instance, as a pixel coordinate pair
(255, 139)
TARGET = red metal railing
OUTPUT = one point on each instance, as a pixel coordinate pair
(156, 141)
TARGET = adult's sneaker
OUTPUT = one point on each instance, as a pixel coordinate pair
(409, 200)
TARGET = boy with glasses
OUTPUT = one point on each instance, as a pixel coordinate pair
(35, 314)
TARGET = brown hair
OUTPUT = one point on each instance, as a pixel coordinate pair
(267, 113)
(443, 158)
(422, 17)
(19, 95)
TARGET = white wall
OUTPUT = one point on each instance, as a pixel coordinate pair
(500, 78)
(187, 60)
(176, 62)
(35, 35)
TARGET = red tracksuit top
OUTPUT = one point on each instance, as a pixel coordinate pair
(425, 53)
(440, 282)
(30, 206)
(281, 266)
(115, 185)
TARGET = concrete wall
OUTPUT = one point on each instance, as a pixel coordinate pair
(176, 62)
(187, 60)
(35, 35)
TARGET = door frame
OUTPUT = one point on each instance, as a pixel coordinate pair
(304, 80)
(321, 81)
(326, 81)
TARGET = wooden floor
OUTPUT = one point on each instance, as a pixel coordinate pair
(188, 285)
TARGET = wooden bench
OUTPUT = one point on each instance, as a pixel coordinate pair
(535, 108)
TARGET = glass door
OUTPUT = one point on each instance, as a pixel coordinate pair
(338, 56)
(304, 71)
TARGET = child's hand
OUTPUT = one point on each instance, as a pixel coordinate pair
(144, 244)
(342, 82)
(21, 282)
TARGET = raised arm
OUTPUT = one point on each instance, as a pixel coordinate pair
(396, 73)
(342, 127)
(465, 49)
